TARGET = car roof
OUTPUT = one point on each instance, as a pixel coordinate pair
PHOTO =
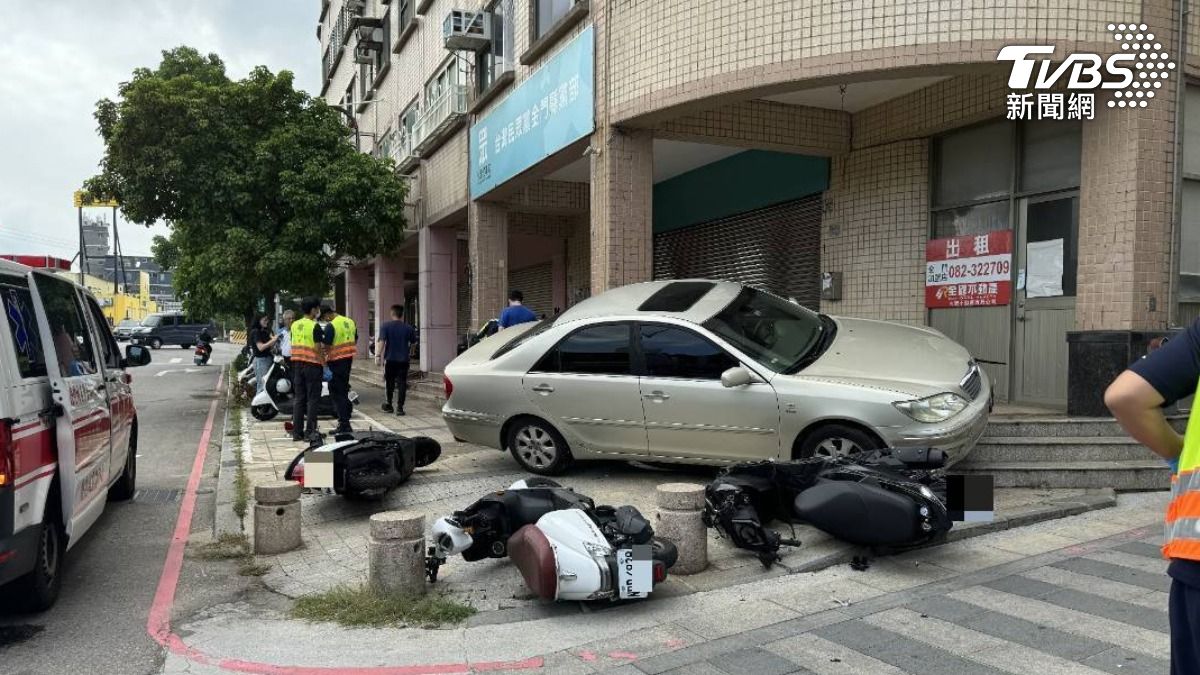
(632, 299)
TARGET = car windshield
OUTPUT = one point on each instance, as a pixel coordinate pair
(152, 320)
(778, 334)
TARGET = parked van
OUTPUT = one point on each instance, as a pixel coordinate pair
(170, 328)
(68, 427)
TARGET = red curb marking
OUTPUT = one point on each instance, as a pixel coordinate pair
(158, 623)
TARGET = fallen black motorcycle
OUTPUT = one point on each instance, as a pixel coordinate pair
(362, 464)
(565, 546)
(889, 500)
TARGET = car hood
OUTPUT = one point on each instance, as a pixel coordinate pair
(909, 359)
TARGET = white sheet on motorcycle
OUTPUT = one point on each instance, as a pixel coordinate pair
(635, 571)
(318, 468)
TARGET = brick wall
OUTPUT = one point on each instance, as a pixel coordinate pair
(445, 177)
(874, 230)
(621, 216)
(765, 125)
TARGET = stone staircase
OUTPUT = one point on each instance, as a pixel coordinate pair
(1065, 452)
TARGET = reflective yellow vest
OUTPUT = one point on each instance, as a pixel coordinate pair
(304, 348)
(344, 332)
(1183, 513)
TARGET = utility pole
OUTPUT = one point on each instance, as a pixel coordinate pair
(82, 250)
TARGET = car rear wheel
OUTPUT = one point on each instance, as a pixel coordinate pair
(37, 591)
(538, 447)
(836, 440)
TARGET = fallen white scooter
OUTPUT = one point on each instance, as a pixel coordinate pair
(278, 395)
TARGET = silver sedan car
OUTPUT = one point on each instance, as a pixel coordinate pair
(708, 372)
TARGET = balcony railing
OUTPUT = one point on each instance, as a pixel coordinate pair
(441, 115)
(400, 149)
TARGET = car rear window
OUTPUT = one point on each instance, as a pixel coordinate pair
(679, 296)
(541, 327)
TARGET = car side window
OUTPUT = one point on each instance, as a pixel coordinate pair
(23, 327)
(671, 351)
(108, 346)
(68, 331)
(595, 350)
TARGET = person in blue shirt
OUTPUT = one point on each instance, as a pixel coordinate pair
(392, 349)
(516, 313)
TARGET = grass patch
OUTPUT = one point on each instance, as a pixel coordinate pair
(250, 568)
(360, 606)
(227, 547)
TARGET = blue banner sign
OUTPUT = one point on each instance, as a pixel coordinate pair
(551, 109)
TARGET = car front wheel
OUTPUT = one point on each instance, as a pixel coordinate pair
(836, 440)
(538, 447)
(156, 343)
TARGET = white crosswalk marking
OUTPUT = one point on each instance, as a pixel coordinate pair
(1134, 595)
(975, 646)
(1133, 638)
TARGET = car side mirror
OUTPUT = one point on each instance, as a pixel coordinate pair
(136, 355)
(736, 376)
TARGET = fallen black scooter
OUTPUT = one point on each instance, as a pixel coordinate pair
(889, 500)
(362, 464)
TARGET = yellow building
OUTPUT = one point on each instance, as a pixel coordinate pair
(118, 306)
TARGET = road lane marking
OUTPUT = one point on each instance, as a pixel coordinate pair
(177, 359)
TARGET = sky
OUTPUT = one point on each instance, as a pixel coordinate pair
(58, 58)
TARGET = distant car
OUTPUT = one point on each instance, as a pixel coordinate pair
(171, 328)
(711, 372)
(124, 330)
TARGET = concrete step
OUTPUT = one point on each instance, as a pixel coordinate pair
(430, 390)
(1123, 475)
(1057, 449)
(1014, 426)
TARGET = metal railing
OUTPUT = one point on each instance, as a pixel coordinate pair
(400, 148)
(441, 113)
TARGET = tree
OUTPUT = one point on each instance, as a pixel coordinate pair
(257, 181)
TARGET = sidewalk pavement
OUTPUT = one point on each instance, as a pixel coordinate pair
(335, 529)
(1085, 594)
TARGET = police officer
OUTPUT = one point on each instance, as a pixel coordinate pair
(343, 338)
(309, 341)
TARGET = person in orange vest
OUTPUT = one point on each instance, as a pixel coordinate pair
(343, 339)
(1137, 398)
(308, 341)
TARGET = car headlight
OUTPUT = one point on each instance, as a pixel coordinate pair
(936, 408)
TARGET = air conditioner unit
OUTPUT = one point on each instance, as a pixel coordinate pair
(464, 30)
(364, 52)
(356, 7)
(369, 34)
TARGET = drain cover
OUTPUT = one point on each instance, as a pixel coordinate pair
(157, 496)
(16, 634)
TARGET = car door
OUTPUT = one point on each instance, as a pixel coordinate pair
(84, 425)
(116, 387)
(585, 386)
(689, 413)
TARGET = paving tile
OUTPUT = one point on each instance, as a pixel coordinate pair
(824, 657)
(702, 668)
(1087, 583)
(1034, 635)
(1141, 548)
(736, 618)
(1123, 662)
(945, 608)
(888, 574)
(897, 650)
(755, 660)
(1138, 562)
(1104, 570)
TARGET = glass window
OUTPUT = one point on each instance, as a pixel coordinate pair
(776, 333)
(671, 351)
(1191, 131)
(108, 346)
(23, 327)
(976, 219)
(495, 60)
(596, 350)
(974, 164)
(1050, 155)
(68, 330)
(152, 320)
(1058, 219)
(549, 12)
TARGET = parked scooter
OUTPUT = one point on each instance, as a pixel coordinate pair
(488, 329)
(565, 546)
(278, 394)
(886, 499)
(362, 464)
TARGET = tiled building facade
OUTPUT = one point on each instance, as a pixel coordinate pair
(887, 97)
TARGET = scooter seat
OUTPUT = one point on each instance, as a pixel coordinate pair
(532, 553)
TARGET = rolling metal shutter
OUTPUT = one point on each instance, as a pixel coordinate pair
(536, 282)
(464, 293)
(776, 248)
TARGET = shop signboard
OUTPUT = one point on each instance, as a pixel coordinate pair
(551, 109)
(969, 271)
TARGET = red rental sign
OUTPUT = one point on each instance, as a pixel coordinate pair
(969, 271)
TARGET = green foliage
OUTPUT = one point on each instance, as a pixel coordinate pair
(361, 606)
(253, 177)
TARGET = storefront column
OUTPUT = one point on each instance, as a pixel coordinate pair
(621, 213)
(437, 288)
(558, 267)
(389, 289)
(487, 246)
(357, 308)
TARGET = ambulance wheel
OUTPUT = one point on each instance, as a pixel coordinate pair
(264, 412)
(38, 590)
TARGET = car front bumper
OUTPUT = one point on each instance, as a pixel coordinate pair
(957, 437)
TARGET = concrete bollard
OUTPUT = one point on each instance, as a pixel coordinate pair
(276, 517)
(680, 521)
(396, 552)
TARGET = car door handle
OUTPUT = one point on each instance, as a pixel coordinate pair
(657, 396)
(543, 389)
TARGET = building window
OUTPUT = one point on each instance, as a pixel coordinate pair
(452, 75)
(408, 119)
(407, 9)
(496, 59)
(1189, 217)
(548, 13)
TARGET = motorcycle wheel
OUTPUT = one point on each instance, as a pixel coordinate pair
(263, 413)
